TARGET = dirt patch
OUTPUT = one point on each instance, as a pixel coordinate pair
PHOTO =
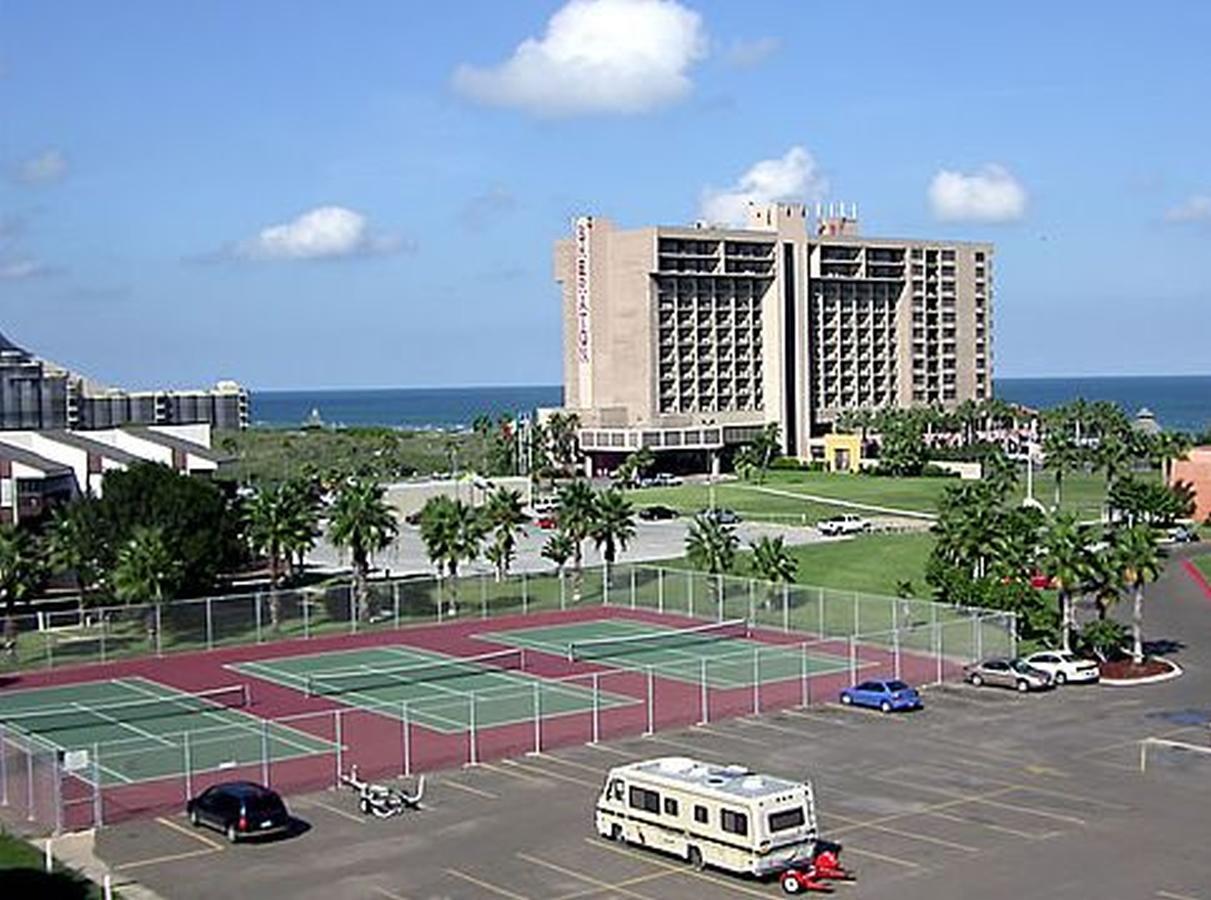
(1126, 670)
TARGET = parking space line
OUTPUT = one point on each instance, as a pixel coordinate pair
(568, 762)
(687, 872)
(335, 810)
(486, 886)
(547, 773)
(602, 748)
(729, 735)
(815, 717)
(391, 895)
(937, 814)
(693, 748)
(986, 799)
(895, 817)
(522, 775)
(189, 832)
(863, 711)
(886, 857)
(771, 726)
(1063, 795)
(927, 838)
(580, 876)
(487, 795)
(638, 879)
(1135, 741)
(1169, 895)
(167, 858)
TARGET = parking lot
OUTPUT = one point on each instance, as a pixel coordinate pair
(985, 793)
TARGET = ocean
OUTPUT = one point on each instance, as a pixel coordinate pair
(1180, 403)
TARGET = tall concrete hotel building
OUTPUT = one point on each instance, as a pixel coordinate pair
(692, 338)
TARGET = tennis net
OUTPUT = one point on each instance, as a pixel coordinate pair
(668, 639)
(84, 715)
(362, 678)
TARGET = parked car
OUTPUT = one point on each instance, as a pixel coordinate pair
(721, 515)
(882, 695)
(547, 522)
(657, 513)
(1064, 667)
(239, 809)
(843, 524)
(1010, 673)
(1180, 534)
(665, 479)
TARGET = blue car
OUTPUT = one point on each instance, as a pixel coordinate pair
(882, 695)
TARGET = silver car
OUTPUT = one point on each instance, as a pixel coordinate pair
(1010, 673)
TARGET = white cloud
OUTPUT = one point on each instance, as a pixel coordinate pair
(47, 167)
(24, 269)
(326, 232)
(991, 194)
(792, 177)
(597, 56)
(1196, 208)
(745, 54)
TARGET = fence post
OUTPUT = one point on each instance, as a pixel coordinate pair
(340, 745)
(895, 650)
(786, 607)
(472, 749)
(722, 595)
(857, 615)
(756, 681)
(405, 738)
(820, 610)
(689, 578)
(660, 590)
(98, 795)
(937, 634)
(101, 640)
(537, 716)
(187, 760)
(305, 601)
(354, 601)
(525, 594)
(159, 629)
(50, 651)
(265, 752)
(209, 626)
(395, 603)
(806, 675)
(1013, 635)
(483, 597)
(605, 585)
(256, 602)
(704, 717)
(3, 767)
(563, 593)
(632, 587)
(29, 782)
(651, 701)
(853, 660)
(56, 794)
(977, 638)
(752, 600)
(596, 708)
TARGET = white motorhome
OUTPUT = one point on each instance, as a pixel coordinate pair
(722, 816)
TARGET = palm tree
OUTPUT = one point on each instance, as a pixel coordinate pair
(452, 532)
(1141, 562)
(1064, 562)
(766, 446)
(577, 513)
(1062, 454)
(559, 549)
(503, 516)
(281, 524)
(146, 571)
(711, 547)
(361, 520)
(635, 465)
(773, 563)
(74, 544)
(1103, 576)
(20, 572)
(612, 527)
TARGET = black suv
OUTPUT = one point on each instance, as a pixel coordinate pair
(239, 809)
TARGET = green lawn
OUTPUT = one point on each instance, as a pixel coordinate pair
(22, 873)
(1203, 564)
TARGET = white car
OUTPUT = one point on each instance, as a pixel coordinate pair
(1065, 668)
(843, 524)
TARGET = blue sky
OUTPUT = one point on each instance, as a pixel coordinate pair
(318, 194)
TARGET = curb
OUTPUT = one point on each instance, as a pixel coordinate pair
(1197, 577)
(1175, 671)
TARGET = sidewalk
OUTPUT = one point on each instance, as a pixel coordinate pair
(77, 850)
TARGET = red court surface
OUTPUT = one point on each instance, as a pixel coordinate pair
(383, 746)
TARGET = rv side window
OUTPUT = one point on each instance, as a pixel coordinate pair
(649, 801)
(670, 807)
(701, 815)
(733, 822)
(786, 819)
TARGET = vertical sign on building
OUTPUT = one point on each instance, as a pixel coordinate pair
(584, 341)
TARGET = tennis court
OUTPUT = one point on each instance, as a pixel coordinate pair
(150, 730)
(721, 654)
(449, 694)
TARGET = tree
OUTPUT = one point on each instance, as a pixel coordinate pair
(902, 448)
(1064, 563)
(1062, 455)
(75, 543)
(145, 571)
(612, 527)
(503, 517)
(577, 514)
(1141, 563)
(746, 462)
(452, 532)
(362, 521)
(711, 547)
(21, 572)
(559, 549)
(635, 465)
(766, 444)
(280, 524)
(773, 563)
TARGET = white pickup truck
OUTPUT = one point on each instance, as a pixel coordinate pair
(843, 524)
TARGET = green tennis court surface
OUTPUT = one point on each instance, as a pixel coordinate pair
(137, 729)
(730, 661)
(390, 680)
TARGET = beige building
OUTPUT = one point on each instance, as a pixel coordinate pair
(691, 338)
